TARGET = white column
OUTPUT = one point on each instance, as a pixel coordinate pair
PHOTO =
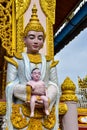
(70, 119)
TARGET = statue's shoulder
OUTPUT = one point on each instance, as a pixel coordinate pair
(52, 61)
(18, 56)
(13, 60)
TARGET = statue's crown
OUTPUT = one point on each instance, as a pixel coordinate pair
(34, 23)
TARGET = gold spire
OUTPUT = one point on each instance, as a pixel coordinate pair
(34, 24)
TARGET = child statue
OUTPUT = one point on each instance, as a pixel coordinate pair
(38, 92)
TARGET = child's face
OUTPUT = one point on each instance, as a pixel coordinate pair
(36, 74)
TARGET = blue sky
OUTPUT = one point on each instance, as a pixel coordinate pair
(73, 59)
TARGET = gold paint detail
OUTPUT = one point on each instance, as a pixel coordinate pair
(68, 91)
(48, 7)
(54, 63)
(82, 111)
(38, 113)
(2, 108)
(49, 39)
(82, 125)
(59, 129)
(62, 108)
(12, 61)
(13, 27)
(19, 38)
(35, 124)
(48, 58)
(82, 119)
(6, 25)
(21, 7)
(18, 55)
(82, 82)
(35, 58)
(6, 128)
(50, 121)
(18, 120)
(28, 91)
(20, 23)
(34, 23)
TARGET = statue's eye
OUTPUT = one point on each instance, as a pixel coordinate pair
(31, 36)
(40, 37)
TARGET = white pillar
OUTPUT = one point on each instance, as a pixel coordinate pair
(70, 119)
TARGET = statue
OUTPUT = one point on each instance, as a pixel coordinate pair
(38, 93)
(19, 73)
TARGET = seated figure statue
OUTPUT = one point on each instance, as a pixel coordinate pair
(19, 73)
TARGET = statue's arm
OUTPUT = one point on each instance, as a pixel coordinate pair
(11, 72)
(52, 90)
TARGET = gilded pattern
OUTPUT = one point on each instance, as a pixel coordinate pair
(20, 120)
(38, 111)
(49, 11)
(2, 108)
(35, 124)
(21, 7)
(12, 41)
(48, 7)
(49, 122)
(6, 24)
(62, 108)
(49, 40)
(68, 91)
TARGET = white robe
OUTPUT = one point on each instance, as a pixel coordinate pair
(19, 77)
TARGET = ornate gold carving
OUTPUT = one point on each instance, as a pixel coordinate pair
(49, 122)
(5, 24)
(82, 111)
(54, 63)
(48, 7)
(82, 119)
(35, 124)
(2, 108)
(38, 111)
(21, 7)
(62, 108)
(18, 55)
(49, 39)
(28, 91)
(82, 82)
(68, 91)
(34, 23)
(19, 38)
(18, 120)
(35, 58)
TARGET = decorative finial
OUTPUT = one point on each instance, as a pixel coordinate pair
(34, 23)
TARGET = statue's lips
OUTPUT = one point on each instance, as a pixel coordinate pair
(35, 46)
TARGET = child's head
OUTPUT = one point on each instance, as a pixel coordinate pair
(36, 74)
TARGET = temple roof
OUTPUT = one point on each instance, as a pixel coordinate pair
(76, 23)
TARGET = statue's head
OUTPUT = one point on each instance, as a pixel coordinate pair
(34, 23)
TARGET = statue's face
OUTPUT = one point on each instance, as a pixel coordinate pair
(36, 75)
(34, 41)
